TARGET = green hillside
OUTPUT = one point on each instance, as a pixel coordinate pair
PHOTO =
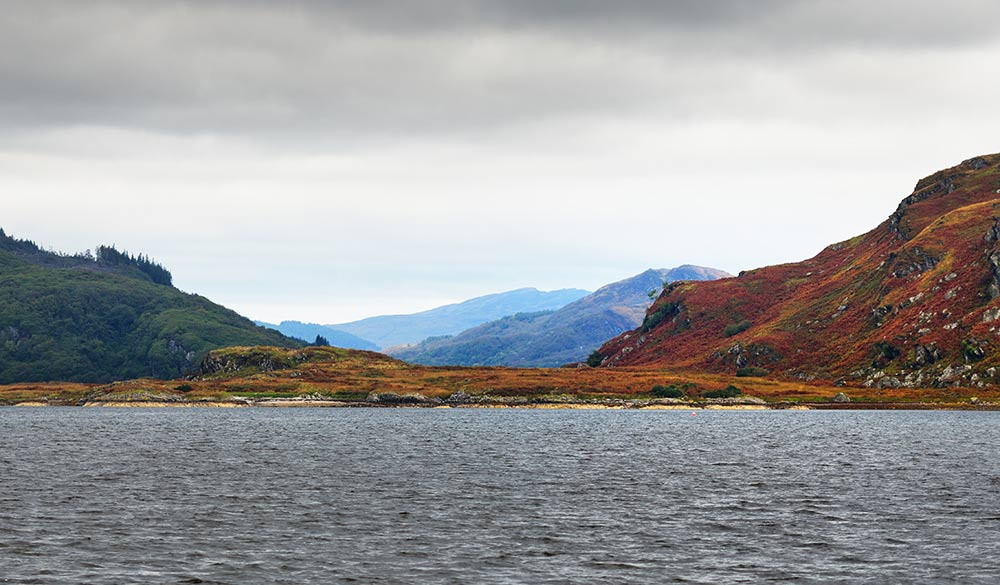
(102, 317)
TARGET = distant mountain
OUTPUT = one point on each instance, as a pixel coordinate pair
(553, 338)
(915, 302)
(392, 330)
(308, 332)
(105, 316)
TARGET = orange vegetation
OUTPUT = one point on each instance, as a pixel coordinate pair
(335, 374)
(914, 302)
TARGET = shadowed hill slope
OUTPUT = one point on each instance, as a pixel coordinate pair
(913, 303)
(553, 338)
(392, 330)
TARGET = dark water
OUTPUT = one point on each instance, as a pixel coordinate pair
(497, 496)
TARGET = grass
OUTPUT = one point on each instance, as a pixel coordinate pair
(334, 380)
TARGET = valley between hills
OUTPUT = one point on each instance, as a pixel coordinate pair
(904, 316)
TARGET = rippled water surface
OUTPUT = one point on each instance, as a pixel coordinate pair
(497, 496)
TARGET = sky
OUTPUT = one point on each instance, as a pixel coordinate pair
(328, 161)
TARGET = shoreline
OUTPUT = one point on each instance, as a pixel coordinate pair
(694, 406)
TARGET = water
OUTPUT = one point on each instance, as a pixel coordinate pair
(497, 496)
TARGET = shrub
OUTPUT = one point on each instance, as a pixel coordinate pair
(184, 388)
(972, 351)
(670, 391)
(885, 352)
(737, 328)
(751, 372)
(662, 312)
(595, 359)
(727, 392)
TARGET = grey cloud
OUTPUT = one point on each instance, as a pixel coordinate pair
(799, 22)
(337, 71)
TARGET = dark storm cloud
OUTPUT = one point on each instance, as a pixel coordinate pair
(341, 70)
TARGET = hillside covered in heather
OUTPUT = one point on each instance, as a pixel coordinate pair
(554, 338)
(105, 316)
(915, 302)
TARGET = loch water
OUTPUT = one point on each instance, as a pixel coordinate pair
(242, 496)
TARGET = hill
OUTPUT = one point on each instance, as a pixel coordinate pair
(105, 316)
(915, 302)
(552, 338)
(391, 330)
(330, 376)
(308, 332)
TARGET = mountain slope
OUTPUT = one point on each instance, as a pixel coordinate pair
(308, 332)
(392, 330)
(553, 338)
(106, 317)
(914, 302)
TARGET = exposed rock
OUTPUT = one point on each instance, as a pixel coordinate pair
(841, 398)
(175, 347)
(889, 382)
(952, 374)
(913, 380)
(662, 402)
(751, 354)
(224, 362)
(135, 396)
(459, 398)
(993, 234)
(880, 313)
(391, 398)
(925, 354)
(921, 192)
(737, 400)
(977, 163)
(993, 290)
(916, 261)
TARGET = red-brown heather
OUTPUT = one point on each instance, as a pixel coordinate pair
(914, 303)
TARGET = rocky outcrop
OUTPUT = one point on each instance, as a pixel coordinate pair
(924, 355)
(993, 288)
(749, 355)
(259, 359)
(393, 399)
(914, 261)
(922, 192)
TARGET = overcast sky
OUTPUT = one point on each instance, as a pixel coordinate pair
(326, 161)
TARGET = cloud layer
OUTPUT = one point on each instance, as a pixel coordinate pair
(298, 159)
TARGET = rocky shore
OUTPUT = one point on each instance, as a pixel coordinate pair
(462, 400)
